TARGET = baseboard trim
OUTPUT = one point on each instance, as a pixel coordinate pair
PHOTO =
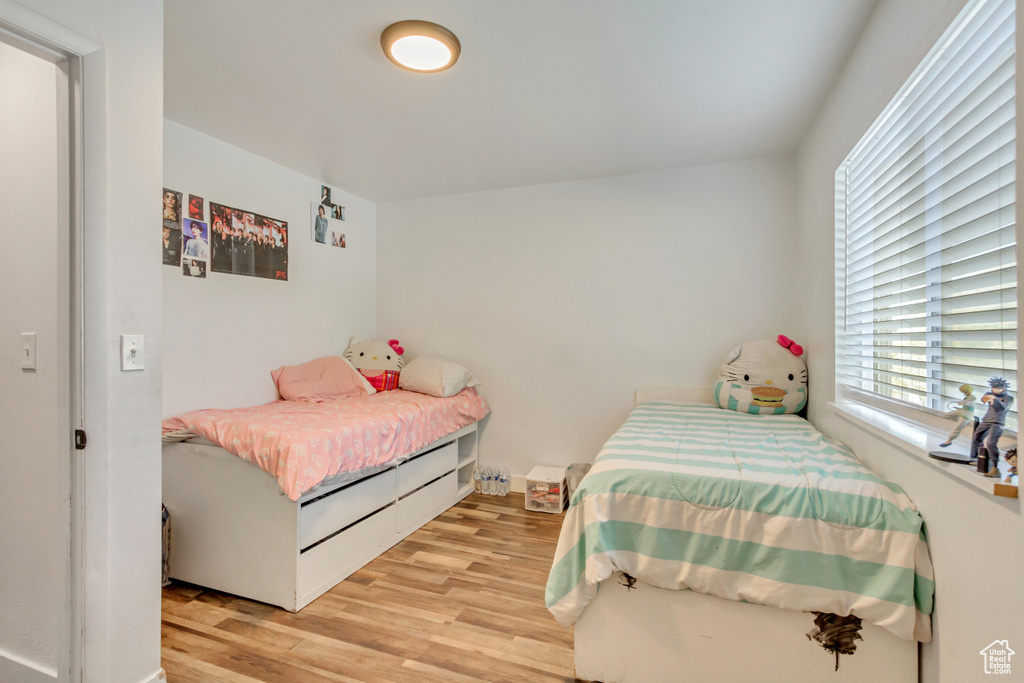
(159, 677)
(15, 668)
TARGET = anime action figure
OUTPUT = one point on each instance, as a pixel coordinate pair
(987, 433)
(1011, 460)
(964, 414)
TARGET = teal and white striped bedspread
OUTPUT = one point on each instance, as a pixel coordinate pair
(758, 508)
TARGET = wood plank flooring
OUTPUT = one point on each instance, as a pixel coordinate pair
(460, 600)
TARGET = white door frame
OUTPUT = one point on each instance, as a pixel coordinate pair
(74, 55)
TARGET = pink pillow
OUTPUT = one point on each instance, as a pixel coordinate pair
(319, 380)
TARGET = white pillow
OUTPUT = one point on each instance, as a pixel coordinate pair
(435, 377)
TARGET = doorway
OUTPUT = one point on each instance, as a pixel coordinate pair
(40, 362)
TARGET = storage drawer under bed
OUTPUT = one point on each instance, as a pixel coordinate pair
(413, 508)
(417, 471)
(338, 556)
(323, 516)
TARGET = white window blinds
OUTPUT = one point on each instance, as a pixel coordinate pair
(926, 259)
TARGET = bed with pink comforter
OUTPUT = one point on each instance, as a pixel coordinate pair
(303, 444)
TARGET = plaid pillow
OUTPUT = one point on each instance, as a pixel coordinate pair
(385, 381)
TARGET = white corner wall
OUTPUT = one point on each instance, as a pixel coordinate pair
(225, 333)
(123, 131)
(564, 298)
(975, 538)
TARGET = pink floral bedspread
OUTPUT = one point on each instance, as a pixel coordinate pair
(302, 444)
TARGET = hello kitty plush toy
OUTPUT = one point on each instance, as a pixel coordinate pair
(378, 361)
(763, 377)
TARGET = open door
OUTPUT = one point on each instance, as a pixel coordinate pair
(40, 363)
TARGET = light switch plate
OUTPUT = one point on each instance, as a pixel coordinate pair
(28, 351)
(132, 348)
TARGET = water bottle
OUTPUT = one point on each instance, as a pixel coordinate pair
(494, 481)
(488, 480)
(478, 482)
(506, 482)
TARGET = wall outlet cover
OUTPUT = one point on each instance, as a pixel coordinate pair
(132, 356)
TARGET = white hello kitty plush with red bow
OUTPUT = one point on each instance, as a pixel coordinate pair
(378, 361)
(763, 377)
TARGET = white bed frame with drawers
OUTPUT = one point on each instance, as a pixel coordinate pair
(233, 530)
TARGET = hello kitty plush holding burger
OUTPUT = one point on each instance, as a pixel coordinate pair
(378, 361)
(763, 377)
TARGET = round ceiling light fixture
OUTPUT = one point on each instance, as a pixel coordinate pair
(420, 46)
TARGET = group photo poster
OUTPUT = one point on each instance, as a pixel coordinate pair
(247, 243)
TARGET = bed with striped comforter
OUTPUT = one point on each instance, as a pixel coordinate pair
(757, 508)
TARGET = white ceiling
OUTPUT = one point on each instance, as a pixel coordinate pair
(545, 90)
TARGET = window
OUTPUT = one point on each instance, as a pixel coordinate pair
(926, 269)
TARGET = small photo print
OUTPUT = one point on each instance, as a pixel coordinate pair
(325, 195)
(338, 211)
(172, 207)
(196, 240)
(337, 239)
(196, 206)
(172, 244)
(193, 267)
(319, 213)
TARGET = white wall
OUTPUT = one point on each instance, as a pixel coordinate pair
(564, 298)
(974, 537)
(225, 333)
(34, 554)
(123, 129)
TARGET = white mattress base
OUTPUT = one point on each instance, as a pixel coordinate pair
(650, 635)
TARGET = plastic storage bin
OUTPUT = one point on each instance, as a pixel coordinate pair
(546, 490)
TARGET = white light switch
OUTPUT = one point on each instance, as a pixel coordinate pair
(28, 351)
(132, 352)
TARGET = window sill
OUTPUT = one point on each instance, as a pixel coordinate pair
(917, 441)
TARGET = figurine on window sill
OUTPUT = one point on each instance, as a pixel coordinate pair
(988, 431)
(964, 413)
(1011, 460)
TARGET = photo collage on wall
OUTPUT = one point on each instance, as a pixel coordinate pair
(326, 220)
(186, 241)
(234, 241)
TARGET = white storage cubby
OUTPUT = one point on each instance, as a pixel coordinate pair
(546, 490)
(468, 456)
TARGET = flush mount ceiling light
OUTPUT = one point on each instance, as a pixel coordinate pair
(420, 46)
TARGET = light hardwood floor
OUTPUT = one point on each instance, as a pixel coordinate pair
(460, 600)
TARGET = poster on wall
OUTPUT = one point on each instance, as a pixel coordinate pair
(196, 240)
(319, 213)
(196, 207)
(325, 228)
(172, 228)
(247, 243)
(193, 267)
(195, 248)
